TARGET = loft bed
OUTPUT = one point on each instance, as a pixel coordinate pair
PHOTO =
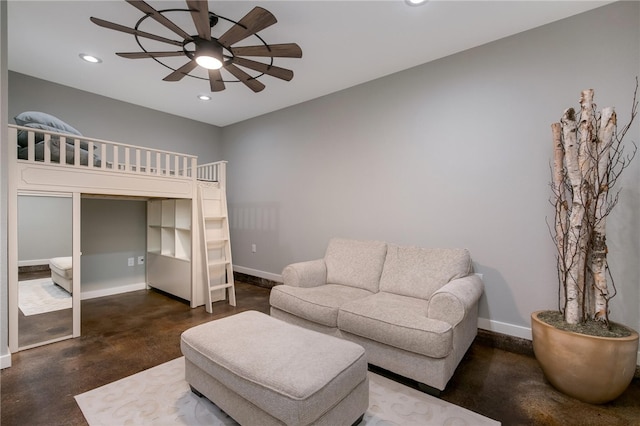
(94, 167)
(116, 169)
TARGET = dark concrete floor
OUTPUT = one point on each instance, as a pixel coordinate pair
(125, 334)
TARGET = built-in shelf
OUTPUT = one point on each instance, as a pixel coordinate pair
(169, 246)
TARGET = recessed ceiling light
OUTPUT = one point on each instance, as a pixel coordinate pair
(90, 58)
(204, 97)
(415, 2)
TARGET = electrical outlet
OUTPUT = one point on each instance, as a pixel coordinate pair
(253, 248)
(140, 260)
(130, 261)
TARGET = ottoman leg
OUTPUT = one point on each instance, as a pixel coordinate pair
(194, 390)
(357, 422)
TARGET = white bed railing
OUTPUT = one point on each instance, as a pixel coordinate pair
(213, 172)
(104, 155)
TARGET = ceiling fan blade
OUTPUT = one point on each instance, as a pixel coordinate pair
(145, 8)
(142, 55)
(215, 81)
(178, 74)
(249, 81)
(286, 50)
(118, 27)
(200, 14)
(281, 73)
(256, 20)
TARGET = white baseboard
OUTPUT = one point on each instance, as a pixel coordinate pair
(505, 328)
(257, 273)
(112, 290)
(33, 262)
(516, 331)
(5, 361)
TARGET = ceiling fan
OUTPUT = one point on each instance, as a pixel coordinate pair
(214, 54)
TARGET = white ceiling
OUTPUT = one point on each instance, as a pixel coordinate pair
(344, 43)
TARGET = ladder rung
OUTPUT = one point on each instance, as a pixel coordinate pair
(215, 245)
(220, 286)
(214, 217)
(211, 241)
(219, 262)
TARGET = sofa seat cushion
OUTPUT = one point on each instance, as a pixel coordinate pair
(397, 321)
(317, 304)
(355, 263)
(419, 272)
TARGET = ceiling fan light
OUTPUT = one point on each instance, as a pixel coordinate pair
(209, 62)
(209, 54)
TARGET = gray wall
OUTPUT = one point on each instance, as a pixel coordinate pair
(44, 228)
(453, 153)
(112, 231)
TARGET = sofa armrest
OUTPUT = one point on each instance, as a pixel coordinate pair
(454, 300)
(311, 273)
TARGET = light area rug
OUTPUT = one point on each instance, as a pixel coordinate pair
(161, 396)
(42, 295)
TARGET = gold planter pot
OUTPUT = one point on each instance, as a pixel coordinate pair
(589, 368)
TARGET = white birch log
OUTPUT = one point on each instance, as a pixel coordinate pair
(607, 128)
(586, 134)
(573, 256)
(587, 153)
(560, 202)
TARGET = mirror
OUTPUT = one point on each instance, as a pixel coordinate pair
(45, 248)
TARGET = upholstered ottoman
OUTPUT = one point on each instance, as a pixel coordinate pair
(62, 272)
(263, 371)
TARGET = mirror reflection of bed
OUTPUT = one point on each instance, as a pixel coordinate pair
(44, 235)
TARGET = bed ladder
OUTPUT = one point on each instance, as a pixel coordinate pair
(216, 244)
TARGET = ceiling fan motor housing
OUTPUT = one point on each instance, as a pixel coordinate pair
(208, 49)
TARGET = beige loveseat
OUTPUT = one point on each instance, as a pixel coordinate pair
(414, 310)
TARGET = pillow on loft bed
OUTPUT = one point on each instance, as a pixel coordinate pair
(55, 154)
(23, 136)
(47, 122)
(42, 121)
(35, 117)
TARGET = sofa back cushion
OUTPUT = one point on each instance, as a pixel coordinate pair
(419, 272)
(355, 263)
